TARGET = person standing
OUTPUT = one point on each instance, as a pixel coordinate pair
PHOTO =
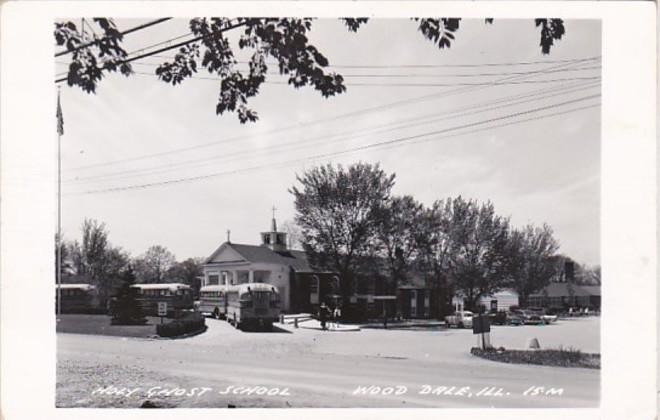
(336, 315)
(323, 315)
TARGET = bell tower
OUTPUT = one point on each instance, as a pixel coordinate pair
(274, 240)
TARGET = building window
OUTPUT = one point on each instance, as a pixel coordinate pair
(314, 284)
(214, 279)
(261, 276)
(243, 277)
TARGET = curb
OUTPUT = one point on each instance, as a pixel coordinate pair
(176, 337)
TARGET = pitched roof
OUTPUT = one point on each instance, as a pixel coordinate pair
(257, 253)
(592, 290)
(561, 289)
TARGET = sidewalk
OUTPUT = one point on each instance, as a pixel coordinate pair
(406, 324)
(313, 324)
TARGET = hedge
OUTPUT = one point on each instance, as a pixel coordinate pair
(188, 323)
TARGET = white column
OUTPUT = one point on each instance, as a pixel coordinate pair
(251, 276)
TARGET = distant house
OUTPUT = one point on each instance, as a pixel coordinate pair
(499, 301)
(562, 295)
(301, 288)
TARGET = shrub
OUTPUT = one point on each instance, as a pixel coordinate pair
(190, 322)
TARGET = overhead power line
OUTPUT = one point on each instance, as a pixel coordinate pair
(392, 75)
(395, 66)
(126, 32)
(400, 140)
(171, 47)
(351, 114)
(352, 134)
(396, 84)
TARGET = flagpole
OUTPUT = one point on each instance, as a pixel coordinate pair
(59, 208)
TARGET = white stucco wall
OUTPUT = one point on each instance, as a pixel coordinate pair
(278, 277)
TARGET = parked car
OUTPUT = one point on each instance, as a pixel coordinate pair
(460, 319)
(505, 318)
(529, 317)
(497, 318)
(514, 319)
(545, 315)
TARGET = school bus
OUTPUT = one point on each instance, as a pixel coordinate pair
(212, 301)
(252, 305)
(78, 298)
(177, 295)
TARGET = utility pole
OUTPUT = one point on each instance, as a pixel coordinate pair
(58, 263)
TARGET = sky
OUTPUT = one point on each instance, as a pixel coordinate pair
(490, 118)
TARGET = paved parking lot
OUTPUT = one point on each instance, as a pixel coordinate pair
(330, 369)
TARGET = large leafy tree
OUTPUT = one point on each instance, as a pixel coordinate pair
(293, 234)
(337, 209)
(154, 264)
(283, 39)
(434, 253)
(96, 259)
(188, 272)
(399, 235)
(531, 252)
(478, 239)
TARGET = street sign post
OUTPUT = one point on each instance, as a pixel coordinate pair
(481, 325)
(162, 310)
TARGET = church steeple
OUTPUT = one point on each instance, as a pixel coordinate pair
(273, 227)
(274, 240)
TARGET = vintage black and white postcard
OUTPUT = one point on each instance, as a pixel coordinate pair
(360, 205)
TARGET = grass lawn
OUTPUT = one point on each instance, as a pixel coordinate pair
(548, 357)
(100, 324)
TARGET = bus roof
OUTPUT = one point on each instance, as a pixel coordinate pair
(256, 287)
(85, 286)
(152, 286)
(213, 288)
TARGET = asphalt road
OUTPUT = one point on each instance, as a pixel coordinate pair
(312, 368)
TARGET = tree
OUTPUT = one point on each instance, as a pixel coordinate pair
(94, 248)
(590, 275)
(126, 309)
(336, 209)
(531, 263)
(187, 272)
(154, 264)
(284, 39)
(477, 240)
(95, 258)
(64, 255)
(293, 234)
(399, 234)
(434, 254)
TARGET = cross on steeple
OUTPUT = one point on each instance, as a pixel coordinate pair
(274, 224)
(228, 235)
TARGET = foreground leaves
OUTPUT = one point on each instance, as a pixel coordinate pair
(282, 39)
